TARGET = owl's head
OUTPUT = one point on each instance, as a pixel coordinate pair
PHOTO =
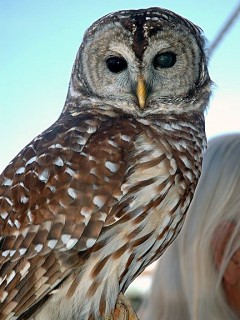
(141, 62)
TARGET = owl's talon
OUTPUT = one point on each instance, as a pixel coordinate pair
(123, 310)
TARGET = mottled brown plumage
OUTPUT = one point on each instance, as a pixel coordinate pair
(98, 196)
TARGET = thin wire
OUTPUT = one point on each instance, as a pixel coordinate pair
(224, 30)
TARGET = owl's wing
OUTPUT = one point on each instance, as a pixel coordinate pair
(54, 199)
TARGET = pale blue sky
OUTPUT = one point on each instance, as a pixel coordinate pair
(39, 41)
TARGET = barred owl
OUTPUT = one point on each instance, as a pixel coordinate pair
(100, 194)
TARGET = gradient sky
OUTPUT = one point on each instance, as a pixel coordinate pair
(39, 41)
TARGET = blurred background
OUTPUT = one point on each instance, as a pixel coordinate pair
(39, 41)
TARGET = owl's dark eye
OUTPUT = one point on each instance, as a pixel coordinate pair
(164, 60)
(116, 64)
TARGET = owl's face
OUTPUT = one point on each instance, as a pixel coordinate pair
(143, 61)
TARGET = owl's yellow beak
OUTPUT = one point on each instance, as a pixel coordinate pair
(141, 91)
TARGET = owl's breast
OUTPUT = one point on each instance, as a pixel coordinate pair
(161, 173)
(147, 178)
(163, 170)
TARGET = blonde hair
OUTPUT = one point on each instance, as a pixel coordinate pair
(187, 284)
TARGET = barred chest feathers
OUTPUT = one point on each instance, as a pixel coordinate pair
(148, 214)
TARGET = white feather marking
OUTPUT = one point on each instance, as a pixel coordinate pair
(71, 243)
(113, 143)
(58, 162)
(29, 215)
(70, 171)
(91, 157)
(46, 225)
(23, 232)
(57, 145)
(8, 200)
(17, 223)
(52, 243)
(125, 137)
(65, 238)
(86, 212)
(11, 276)
(91, 129)
(10, 222)
(22, 251)
(20, 170)
(12, 252)
(5, 253)
(44, 175)
(99, 201)
(72, 193)
(189, 175)
(103, 216)
(24, 199)
(93, 171)
(24, 270)
(52, 188)
(90, 242)
(4, 295)
(113, 167)
(7, 182)
(185, 160)
(38, 247)
(4, 215)
(31, 160)
(22, 185)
